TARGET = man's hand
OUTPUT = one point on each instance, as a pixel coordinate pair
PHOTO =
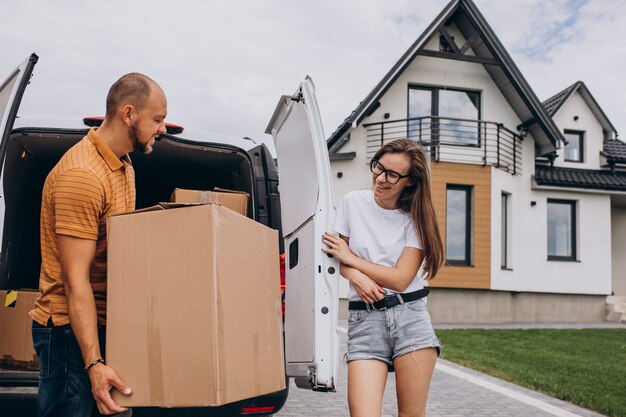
(103, 378)
(365, 287)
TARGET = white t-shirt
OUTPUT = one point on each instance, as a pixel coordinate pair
(376, 234)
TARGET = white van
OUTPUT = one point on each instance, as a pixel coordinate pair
(295, 198)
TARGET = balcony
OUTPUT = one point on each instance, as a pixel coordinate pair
(449, 139)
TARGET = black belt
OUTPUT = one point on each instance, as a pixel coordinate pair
(390, 300)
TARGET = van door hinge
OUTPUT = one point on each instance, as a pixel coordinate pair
(298, 97)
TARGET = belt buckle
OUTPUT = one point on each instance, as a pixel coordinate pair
(372, 307)
(385, 299)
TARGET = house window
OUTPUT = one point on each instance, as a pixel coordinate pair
(458, 224)
(505, 231)
(456, 116)
(562, 230)
(574, 150)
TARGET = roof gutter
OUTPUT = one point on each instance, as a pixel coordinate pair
(535, 186)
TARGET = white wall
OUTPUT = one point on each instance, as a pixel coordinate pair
(531, 270)
(587, 122)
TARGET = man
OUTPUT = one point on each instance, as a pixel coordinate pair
(91, 182)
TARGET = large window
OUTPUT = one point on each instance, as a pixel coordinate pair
(458, 224)
(452, 105)
(574, 150)
(562, 230)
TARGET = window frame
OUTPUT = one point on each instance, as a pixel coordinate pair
(505, 224)
(573, 225)
(467, 261)
(581, 145)
(434, 112)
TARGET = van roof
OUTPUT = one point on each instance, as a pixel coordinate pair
(190, 135)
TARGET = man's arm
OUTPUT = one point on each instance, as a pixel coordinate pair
(76, 256)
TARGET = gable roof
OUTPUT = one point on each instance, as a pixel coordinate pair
(501, 68)
(554, 104)
(580, 178)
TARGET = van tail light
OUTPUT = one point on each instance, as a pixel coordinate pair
(171, 129)
(258, 410)
(282, 280)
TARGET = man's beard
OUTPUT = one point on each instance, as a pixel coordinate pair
(144, 148)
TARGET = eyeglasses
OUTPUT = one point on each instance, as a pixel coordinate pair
(392, 177)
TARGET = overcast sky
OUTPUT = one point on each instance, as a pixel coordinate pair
(224, 64)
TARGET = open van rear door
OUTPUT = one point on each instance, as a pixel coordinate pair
(307, 211)
(11, 92)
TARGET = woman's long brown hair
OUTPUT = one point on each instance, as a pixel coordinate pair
(416, 199)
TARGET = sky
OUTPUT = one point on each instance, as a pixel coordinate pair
(224, 63)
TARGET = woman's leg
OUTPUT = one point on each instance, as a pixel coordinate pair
(414, 370)
(366, 386)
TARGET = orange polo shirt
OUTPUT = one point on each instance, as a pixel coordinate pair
(88, 185)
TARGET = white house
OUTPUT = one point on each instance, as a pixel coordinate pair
(531, 228)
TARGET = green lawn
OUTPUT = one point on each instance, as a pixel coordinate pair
(584, 366)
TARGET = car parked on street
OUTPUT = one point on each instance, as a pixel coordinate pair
(292, 195)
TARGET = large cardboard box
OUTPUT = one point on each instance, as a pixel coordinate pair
(234, 200)
(16, 341)
(193, 307)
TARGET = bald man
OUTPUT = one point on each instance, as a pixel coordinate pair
(91, 182)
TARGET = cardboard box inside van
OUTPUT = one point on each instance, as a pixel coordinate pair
(234, 200)
(16, 342)
(193, 306)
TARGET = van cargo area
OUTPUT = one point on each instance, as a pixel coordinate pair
(31, 154)
(175, 162)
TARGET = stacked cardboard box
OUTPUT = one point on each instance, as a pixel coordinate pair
(194, 309)
(16, 342)
(234, 200)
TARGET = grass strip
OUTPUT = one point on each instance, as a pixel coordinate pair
(584, 366)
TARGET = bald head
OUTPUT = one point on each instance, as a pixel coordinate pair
(133, 88)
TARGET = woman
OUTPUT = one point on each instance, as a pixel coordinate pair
(385, 235)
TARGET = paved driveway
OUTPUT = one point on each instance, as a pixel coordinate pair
(455, 391)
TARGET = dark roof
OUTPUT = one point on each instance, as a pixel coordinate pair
(505, 74)
(615, 149)
(580, 178)
(554, 103)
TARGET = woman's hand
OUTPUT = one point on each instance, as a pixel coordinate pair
(338, 248)
(368, 290)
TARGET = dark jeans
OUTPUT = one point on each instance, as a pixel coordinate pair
(64, 388)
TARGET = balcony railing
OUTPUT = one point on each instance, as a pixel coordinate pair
(450, 139)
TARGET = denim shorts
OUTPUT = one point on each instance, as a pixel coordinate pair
(387, 334)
